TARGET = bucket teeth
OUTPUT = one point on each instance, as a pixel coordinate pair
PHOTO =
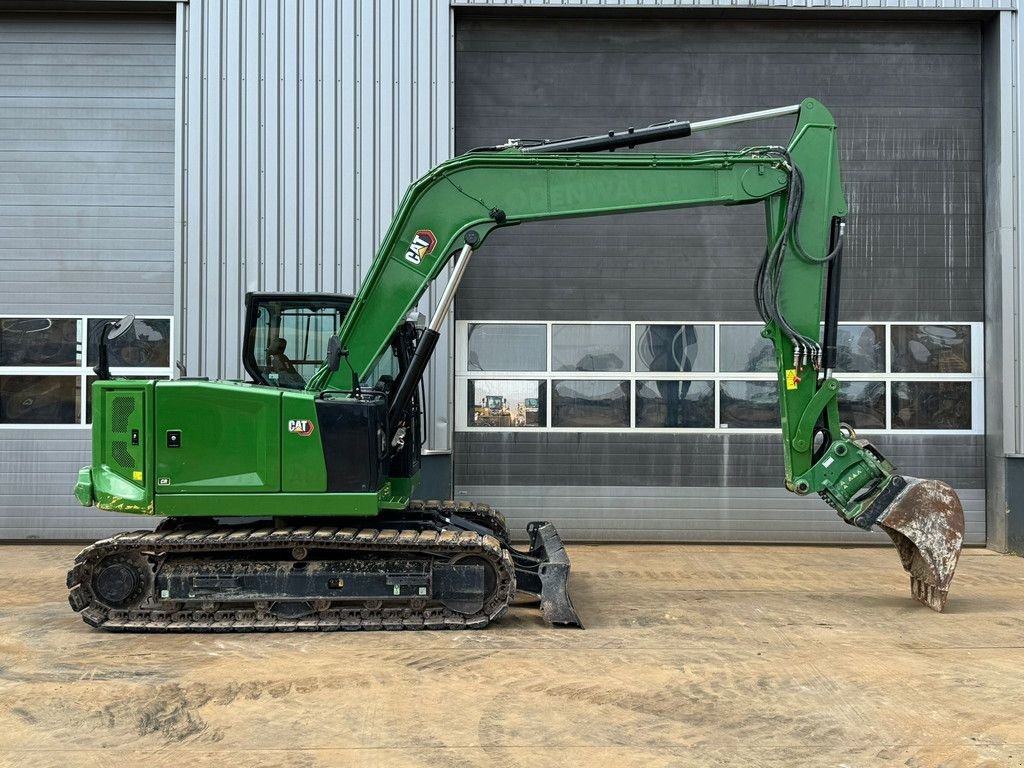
(928, 594)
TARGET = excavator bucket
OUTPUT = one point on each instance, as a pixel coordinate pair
(926, 523)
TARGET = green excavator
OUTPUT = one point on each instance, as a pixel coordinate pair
(287, 500)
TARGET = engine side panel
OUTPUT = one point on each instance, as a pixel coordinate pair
(214, 437)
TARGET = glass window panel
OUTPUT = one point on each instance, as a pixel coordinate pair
(147, 344)
(744, 350)
(39, 341)
(931, 405)
(505, 403)
(507, 347)
(862, 404)
(587, 403)
(590, 348)
(749, 404)
(861, 349)
(931, 349)
(675, 348)
(39, 399)
(664, 403)
(384, 372)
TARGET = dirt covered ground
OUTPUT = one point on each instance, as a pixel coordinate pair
(693, 655)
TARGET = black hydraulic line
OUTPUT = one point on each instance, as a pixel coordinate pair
(631, 137)
(412, 375)
(829, 353)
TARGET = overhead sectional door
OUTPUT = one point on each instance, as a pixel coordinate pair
(609, 373)
(86, 233)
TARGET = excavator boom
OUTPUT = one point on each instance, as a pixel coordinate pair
(454, 207)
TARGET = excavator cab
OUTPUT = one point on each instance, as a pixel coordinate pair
(286, 335)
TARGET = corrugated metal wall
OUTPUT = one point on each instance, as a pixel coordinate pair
(303, 123)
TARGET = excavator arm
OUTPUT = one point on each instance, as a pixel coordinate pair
(454, 207)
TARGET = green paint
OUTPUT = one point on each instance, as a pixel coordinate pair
(230, 438)
(303, 468)
(268, 505)
(121, 475)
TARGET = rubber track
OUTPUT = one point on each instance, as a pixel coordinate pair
(446, 545)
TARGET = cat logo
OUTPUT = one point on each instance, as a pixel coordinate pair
(301, 427)
(420, 246)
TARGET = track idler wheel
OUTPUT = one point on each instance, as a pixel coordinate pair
(121, 581)
(926, 523)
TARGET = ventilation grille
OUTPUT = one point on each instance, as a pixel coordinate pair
(120, 453)
(120, 411)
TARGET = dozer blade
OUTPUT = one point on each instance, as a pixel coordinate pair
(926, 523)
(544, 572)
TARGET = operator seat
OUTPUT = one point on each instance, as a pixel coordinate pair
(287, 376)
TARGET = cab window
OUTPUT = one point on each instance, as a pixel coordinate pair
(290, 342)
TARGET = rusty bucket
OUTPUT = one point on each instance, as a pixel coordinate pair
(926, 523)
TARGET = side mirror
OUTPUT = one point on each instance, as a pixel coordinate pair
(110, 331)
(334, 354)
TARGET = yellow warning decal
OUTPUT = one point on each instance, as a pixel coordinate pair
(136, 475)
(791, 380)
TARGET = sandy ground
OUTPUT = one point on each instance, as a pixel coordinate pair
(693, 655)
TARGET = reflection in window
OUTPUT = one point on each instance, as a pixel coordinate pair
(931, 404)
(931, 349)
(862, 404)
(749, 405)
(675, 404)
(590, 403)
(861, 349)
(502, 403)
(39, 341)
(384, 372)
(590, 347)
(147, 344)
(675, 348)
(744, 350)
(507, 347)
(39, 399)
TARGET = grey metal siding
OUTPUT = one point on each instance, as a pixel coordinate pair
(666, 514)
(303, 123)
(907, 98)
(86, 220)
(691, 460)
(87, 168)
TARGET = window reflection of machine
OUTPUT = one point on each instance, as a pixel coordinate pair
(930, 349)
(531, 412)
(671, 348)
(494, 412)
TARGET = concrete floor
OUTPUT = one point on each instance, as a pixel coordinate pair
(693, 655)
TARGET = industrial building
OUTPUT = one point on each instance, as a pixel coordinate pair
(163, 158)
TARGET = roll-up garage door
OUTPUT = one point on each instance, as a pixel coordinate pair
(609, 373)
(86, 233)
